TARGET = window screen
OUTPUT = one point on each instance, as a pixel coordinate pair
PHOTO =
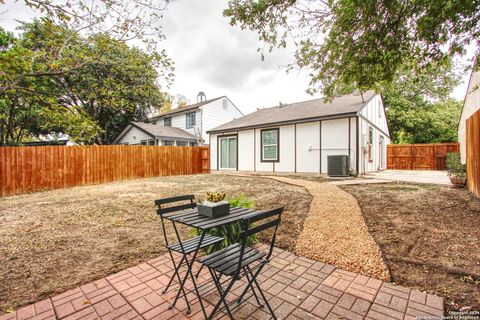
(191, 119)
(270, 145)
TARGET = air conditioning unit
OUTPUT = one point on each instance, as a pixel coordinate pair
(338, 166)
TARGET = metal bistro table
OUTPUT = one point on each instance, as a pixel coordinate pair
(191, 218)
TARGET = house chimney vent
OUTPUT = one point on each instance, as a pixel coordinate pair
(201, 97)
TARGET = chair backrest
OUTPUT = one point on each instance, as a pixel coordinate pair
(273, 218)
(161, 209)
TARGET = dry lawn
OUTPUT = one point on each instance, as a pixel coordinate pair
(430, 237)
(55, 240)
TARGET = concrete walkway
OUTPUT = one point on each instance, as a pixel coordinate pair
(431, 177)
(297, 288)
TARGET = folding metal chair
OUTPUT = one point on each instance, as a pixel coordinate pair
(238, 260)
(185, 248)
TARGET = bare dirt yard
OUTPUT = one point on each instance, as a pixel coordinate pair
(430, 237)
(55, 240)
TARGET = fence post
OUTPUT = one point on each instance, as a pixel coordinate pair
(412, 158)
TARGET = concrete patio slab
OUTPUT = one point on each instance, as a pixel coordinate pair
(297, 288)
(415, 176)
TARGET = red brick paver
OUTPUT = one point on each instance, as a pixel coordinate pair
(297, 288)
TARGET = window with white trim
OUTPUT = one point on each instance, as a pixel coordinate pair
(151, 142)
(191, 120)
(269, 145)
(143, 142)
(182, 143)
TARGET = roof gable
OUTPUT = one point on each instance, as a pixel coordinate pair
(158, 131)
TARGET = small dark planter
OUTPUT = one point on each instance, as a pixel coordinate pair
(458, 182)
(218, 210)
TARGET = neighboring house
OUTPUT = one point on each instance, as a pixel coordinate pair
(140, 133)
(470, 105)
(299, 137)
(200, 117)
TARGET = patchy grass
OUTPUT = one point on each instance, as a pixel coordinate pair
(429, 235)
(56, 240)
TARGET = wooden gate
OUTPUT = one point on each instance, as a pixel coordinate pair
(419, 156)
(473, 153)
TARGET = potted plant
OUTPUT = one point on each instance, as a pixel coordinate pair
(214, 206)
(456, 170)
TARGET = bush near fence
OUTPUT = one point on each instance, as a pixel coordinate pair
(27, 169)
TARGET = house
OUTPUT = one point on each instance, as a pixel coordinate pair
(299, 137)
(200, 117)
(140, 133)
(471, 105)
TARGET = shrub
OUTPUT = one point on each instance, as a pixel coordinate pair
(454, 166)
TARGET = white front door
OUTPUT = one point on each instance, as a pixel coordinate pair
(228, 153)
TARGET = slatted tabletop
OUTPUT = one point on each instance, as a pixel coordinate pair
(191, 218)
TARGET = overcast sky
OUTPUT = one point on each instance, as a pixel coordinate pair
(216, 58)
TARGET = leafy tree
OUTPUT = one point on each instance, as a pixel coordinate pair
(175, 101)
(418, 103)
(428, 123)
(361, 43)
(87, 87)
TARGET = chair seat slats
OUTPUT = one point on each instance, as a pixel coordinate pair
(191, 244)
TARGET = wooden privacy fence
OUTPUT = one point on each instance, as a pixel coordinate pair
(419, 156)
(25, 169)
(473, 153)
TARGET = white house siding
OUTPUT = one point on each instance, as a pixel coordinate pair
(134, 136)
(286, 156)
(179, 120)
(215, 114)
(306, 158)
(213, 152)
(245, 150)
(332, 136)
(335, 140)
(470, 106)
(308, 136)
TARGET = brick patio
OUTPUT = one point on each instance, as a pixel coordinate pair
(297, 288)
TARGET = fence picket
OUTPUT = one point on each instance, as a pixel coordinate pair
(25, 169)
(419, 156)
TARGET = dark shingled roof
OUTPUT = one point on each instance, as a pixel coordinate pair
(160, 131)
(183, 109)
(291, 113)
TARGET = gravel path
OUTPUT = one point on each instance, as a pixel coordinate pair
(335, 232)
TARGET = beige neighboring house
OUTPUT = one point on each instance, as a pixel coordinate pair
(140, 133)
(471, 104)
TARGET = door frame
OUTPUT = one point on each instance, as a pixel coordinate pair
(219, 147)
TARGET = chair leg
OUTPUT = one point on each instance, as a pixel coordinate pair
(175, 274)
(220, 291)
(265, 299)
(250, 284)
(222, 298)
